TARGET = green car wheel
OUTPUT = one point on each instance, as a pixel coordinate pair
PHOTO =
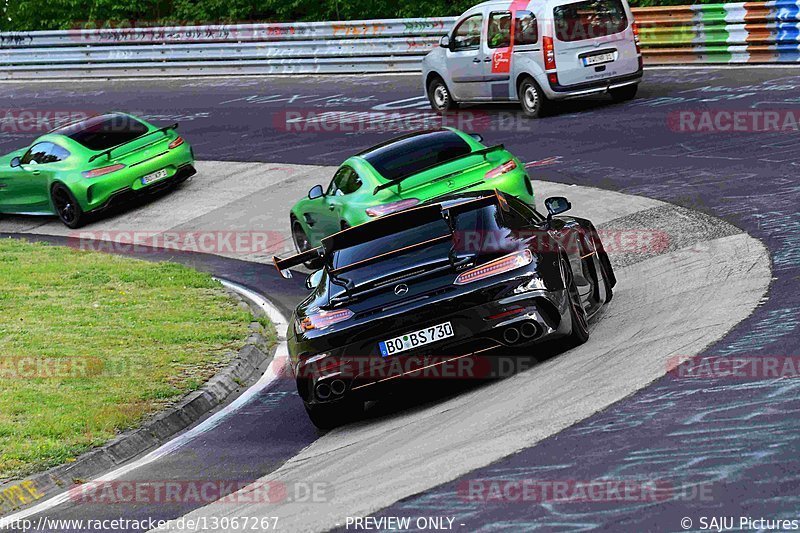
(67, 207)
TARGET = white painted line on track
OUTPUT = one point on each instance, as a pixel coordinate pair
(273, 372)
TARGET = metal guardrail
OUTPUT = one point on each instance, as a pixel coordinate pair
(712, 33)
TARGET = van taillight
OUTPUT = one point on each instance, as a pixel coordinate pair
(636, 38)
(549, 53)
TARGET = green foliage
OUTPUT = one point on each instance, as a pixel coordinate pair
(66, 14)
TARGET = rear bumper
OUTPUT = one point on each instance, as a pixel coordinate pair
(594, 87)
(127, 194)
(482, 333)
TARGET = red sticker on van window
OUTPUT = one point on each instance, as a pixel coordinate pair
(501, 58)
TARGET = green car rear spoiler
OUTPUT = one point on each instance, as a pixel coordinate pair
(387, 225)
(484, 152)
(108, 152)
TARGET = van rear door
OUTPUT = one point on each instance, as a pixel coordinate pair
(593, 40)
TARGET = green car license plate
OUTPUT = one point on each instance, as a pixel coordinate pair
(155, 176)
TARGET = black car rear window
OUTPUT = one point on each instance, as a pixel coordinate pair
(104, 131)
(589, 20)
(382, 245)
(413, 154)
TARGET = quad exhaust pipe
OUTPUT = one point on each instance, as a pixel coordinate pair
(525, 332)
(325, 390)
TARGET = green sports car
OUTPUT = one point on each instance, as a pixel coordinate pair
(402, 173)
(87, 166)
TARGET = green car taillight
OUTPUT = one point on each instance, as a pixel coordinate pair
(102, 171)
(385, 209)
(505, 168)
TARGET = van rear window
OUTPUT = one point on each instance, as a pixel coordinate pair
(589, 20)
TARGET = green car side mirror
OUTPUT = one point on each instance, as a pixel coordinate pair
(16, 162)
(315, 192)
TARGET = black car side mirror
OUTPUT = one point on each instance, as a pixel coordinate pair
(315, 192)
(312, 281)
(556, 205)
(444, 42)
(16, 162)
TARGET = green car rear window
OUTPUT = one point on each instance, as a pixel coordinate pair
(416, 153)
(104, 131)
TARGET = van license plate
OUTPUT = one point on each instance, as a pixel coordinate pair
(606, 57)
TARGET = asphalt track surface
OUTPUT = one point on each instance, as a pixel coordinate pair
(739, 438)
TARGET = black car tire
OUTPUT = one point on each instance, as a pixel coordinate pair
(333, 415)
(532, 99)
(439, 96)
(580, 322)
(67, 207)
(623, 94)
(609, 279)
(302, 244)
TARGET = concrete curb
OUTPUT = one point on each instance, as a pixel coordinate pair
(242, 371)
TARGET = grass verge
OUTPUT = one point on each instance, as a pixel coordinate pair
(91, 344)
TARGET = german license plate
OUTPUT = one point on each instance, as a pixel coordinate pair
(155, 176)
(597, 59)
(415, 339)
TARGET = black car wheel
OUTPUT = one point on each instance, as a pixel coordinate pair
(439, 96)
(333, 415)
(302, 243)
(580, 322)
(623, 94)
(609, 280)
(67, 207)
(534, 103)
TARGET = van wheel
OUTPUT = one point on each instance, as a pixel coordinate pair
(623, 94)
(439, 96)
(534, 103)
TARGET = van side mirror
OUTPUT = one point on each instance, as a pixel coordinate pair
(315, 192)
(556, 205)
(444, 42)
(16, 162)
(312, 281)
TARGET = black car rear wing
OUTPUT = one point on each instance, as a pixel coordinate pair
(108, 152)
(283, 265)
(484, 152)
(387, 225)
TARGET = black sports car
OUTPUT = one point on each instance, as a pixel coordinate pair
(421, 288)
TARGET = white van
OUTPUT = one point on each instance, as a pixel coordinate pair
(555, 49)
